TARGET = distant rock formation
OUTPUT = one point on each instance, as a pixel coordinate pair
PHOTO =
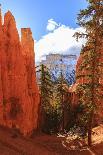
(19, 95)
(57, 62)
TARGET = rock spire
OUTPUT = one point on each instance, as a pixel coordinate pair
(19, 95)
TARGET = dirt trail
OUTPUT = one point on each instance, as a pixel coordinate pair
(19, 145)
(39, 145)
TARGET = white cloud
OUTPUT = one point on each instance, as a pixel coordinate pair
(52, 25)
(60, 40)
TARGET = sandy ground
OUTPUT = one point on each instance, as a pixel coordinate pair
(45, 144)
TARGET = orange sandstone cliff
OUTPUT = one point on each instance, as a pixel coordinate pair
(19, 95)
(82, 78)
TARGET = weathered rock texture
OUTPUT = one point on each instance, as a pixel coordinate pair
(85, 80)
(19, 95)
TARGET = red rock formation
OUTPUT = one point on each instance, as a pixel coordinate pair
(19, 95)
(73, 95)
(84, 79)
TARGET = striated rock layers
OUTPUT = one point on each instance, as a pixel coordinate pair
(19, 95)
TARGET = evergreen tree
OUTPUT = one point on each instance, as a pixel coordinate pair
(46, 93)
(46, 87)
(70, 77)
(62, 90)
(91, 19)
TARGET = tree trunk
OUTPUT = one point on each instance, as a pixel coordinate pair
(90, 129)
(89, 136)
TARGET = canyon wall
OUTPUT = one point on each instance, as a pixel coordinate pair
(19, 95)
(84, 74)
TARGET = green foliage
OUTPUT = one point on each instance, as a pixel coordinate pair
(52, 100)
(46, 87)
(52, 120)
(50, 106)
(61, 87)
(75, 115)
(91, 19)
(61, 92)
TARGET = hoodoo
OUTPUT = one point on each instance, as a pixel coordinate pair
(19, 95)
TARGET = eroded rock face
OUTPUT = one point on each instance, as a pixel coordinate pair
(19, 95)
(82, 78)
(85, 80)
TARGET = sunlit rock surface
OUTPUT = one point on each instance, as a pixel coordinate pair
(19, 95)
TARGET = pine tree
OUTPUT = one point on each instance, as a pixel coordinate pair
(91, 19)
(46, 93)
(62, 89)
(46, 87)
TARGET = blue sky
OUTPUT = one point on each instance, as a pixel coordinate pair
(36, 13)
